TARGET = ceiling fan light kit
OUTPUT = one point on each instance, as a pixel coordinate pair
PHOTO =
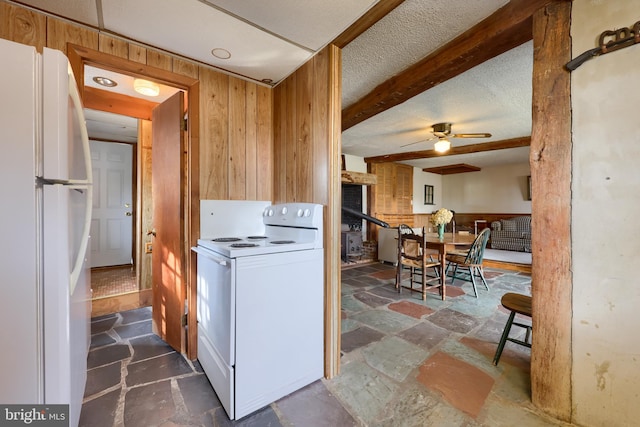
(442, 145)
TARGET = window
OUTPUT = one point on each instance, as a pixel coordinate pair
(428, 194)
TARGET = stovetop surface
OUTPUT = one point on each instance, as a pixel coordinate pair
(255, 245)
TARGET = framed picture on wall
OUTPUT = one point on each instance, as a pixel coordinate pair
(428, 194)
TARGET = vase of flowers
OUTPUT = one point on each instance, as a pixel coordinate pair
(440, 219)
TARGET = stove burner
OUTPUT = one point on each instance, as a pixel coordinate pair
(282, 242)
(256, 237)
(242, 245)
(226, 239)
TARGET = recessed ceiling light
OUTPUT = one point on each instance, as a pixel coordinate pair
(267, 81)
(105, 81)
(145, 87)
(220, 53)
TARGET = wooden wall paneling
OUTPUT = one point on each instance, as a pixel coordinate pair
(214, 151)
(290, 136)
(550, 159)
(137, 53)
(264, 143)
(305, 128)
(333, 211)
(113, 46)
(237, 139)
(23, 26)
(59, 33)
(159, 60)
(144, 201)
(251, 138)
(279, 153)
(322, 137)
(186, 68)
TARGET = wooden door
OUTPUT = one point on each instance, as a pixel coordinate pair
(168, 276)
(112, 221)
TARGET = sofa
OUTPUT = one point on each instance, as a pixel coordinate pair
(513, 234)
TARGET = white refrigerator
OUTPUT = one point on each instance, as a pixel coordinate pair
(45, 171)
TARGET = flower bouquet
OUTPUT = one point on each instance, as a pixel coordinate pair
(440, 218)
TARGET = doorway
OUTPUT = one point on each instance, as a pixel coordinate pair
(141, 109)
(112, 140)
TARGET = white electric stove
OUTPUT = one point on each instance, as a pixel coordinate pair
(260, 300)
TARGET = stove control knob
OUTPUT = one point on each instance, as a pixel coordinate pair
(300, 213)
(268, 212)
(284, 210)
(307, 212)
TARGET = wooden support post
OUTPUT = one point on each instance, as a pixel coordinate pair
(550, 159)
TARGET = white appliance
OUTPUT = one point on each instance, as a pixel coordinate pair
(45, 172)
(260, 300)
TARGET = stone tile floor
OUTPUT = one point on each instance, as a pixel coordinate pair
(405, 362)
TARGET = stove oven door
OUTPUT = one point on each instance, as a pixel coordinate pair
(216, 323)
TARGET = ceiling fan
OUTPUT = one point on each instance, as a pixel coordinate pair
(442, 131)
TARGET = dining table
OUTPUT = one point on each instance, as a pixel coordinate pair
(448, 243)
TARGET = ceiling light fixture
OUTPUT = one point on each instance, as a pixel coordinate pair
(105, 81)
(145, 87)
(442, 145)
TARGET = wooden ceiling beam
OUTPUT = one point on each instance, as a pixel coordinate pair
(508, 27)
(523, 141)
(452, 169)
(373, 15)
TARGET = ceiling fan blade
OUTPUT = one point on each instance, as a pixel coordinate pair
(471, 135)
(417, 142)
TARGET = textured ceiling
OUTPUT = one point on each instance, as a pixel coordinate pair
(271, 38)
(494, 97)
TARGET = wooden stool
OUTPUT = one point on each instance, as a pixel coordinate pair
(520, 304)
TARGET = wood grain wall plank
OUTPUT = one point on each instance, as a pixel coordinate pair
(214, 134)
(23, 26)
(113, 46)
(137, 53)
(290, 137)
(321, 129)
(186, 68)
(280, 111)
(145, 205)
(251, 149)
(237, 139)
(264, 143)
(305, 137)
(159, 60)
(59, 33)
(333, 212)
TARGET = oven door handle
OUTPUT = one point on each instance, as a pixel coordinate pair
(205, 253)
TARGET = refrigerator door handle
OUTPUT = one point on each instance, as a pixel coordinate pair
(75, 98)
(84, 242)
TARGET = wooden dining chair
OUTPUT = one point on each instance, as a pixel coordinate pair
(414, 255)
(517, 304)
(467, 267)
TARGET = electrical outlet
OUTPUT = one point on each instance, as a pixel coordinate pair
(148, 247)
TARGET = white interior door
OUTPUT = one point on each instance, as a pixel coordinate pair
(112, 221)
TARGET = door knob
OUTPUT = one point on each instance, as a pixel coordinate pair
(128, 213)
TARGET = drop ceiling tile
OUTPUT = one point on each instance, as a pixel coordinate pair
(311, 24)
(78, 10)
(193, 29)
